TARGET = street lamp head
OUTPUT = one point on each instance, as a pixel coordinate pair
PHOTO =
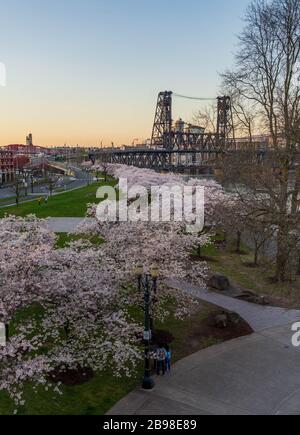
(154, 272)
(139, 270)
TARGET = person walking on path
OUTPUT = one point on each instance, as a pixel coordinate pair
(168, 359)
(46, 200)
(161, 360)
(39, 201)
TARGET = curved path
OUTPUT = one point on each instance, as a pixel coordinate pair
(64, 225)
(258, 374)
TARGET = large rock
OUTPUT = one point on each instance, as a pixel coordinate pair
(219, 282)
(252, 297)
(221, 321)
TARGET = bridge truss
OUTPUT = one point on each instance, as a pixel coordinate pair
(173, 148)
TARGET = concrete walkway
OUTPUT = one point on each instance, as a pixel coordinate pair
(257, 316)
(64, 225)
(258, 374)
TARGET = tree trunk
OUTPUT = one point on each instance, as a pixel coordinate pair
(296, 192)
(283, 228)
(298, 271)
(256, 255)
(282, 256)
(238, 242)
(6, 333)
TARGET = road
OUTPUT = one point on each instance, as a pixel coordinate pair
(81, 178)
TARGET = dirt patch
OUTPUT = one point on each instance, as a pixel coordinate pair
(201, 258)
(202, 332)
(233, 329)
(251, 265)
(162, 337)
(220, 244)
(240, 253)
(205, 334)
(72, 377)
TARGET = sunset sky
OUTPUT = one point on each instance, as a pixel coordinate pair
(86, 71)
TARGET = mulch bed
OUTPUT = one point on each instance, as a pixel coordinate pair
(233, 330)
(203, 258)
(72, 377)
(207, 330)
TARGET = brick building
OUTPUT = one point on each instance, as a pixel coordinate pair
(6, 166)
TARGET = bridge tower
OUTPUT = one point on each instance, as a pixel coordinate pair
(225, 127)
(162, 128)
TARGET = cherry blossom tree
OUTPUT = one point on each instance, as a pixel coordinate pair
(69, 307)
(167, 245)
(22, 241)
(65, 307)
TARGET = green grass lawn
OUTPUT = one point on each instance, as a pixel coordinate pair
(101, 393)
(69, 204)
(95, 397)
(64, 239)
(8, 200)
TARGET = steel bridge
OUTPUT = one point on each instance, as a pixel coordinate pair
(178, 147)
(164, 160)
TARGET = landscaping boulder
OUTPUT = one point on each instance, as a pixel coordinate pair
(252, 297)
(221, 321)
(219, 282)
(234, 318)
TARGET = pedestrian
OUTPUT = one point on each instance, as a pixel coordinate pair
(161, 360)
(168, 359)
(154, 358)
(46, 200)
(39, 201)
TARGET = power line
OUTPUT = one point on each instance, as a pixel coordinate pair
(194, 98)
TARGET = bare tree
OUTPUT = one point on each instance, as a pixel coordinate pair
(244, 111)
(267, 75)
(104, 169)
(207, 118)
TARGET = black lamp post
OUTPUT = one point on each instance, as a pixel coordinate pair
(32, 183)
(25, 182)
(147, 283)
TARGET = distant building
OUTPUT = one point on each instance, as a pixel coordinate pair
(142, 147)
(7, 172)
(195, 129)
(179, 126)
(29, 141)
(27, 149)
(21, 161)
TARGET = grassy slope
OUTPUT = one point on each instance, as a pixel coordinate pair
(239, 269)
(69, 204)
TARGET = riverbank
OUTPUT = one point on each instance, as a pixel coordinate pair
(244, 275)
